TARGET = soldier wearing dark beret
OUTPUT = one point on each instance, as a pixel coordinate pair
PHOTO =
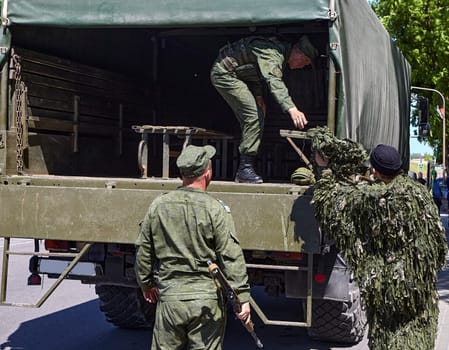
(386, 162)
(181, 231)
(391, 236)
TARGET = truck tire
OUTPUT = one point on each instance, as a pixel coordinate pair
(337, 321)
(125, 307)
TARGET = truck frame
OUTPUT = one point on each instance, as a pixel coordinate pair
(97, 99)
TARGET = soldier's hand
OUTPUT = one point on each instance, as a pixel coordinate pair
(151, 295)
(245, 313)
(298, 117)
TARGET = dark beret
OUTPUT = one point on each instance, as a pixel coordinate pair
(386, 160)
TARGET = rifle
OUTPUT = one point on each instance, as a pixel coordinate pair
(232, 298)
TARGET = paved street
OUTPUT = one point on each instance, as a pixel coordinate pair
(71, 319)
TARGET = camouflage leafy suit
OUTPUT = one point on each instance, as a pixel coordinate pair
(181, 231)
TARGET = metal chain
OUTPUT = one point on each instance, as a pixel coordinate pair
(19, 125)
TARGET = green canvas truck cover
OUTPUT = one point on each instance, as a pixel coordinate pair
(374, 84)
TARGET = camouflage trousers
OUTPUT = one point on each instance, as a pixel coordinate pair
(191, 324)
(243, 103)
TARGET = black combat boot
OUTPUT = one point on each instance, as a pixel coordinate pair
(246, 172)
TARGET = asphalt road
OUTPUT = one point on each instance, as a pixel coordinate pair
(71, 319)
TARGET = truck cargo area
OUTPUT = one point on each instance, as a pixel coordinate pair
(87, 88)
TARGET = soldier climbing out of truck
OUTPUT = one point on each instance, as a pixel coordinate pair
(239, 73)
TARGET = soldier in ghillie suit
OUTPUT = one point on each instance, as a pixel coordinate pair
(391, 235)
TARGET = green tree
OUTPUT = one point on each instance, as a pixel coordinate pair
(421, 30)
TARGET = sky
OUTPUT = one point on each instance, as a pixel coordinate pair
(418, 147)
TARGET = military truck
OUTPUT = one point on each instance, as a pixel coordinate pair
(98, 98)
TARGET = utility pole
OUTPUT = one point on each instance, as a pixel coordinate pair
(443, 117)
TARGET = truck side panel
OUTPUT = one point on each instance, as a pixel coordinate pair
(280, 221)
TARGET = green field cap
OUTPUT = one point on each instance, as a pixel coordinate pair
(193, 160)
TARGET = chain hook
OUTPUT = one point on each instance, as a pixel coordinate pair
(19, 121)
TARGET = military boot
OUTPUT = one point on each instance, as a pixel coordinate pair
(246, 172)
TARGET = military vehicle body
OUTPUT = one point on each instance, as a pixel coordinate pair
(98, 98)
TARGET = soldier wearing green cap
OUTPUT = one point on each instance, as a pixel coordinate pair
(239, 73)
(182, 230)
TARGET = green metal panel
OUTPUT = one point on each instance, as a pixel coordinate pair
(267, 217)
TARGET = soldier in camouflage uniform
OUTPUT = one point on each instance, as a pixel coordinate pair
(181, 231)
(238, 75)
(391, 235)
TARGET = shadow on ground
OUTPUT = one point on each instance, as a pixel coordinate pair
(83, 327)
(78, 327)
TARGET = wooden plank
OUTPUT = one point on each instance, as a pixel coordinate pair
(44, 97)
(37, 123)
(42, 123)
(71, 66)
(53, 82)
(43, 70)
(101, 110)
(78, 89)
(48, 91)
(131, 120)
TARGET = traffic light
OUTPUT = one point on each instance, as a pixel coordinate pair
(423, 112)
(424, 130)
(423, 109)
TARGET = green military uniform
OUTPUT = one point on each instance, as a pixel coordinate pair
(238, 75)
(181, 231)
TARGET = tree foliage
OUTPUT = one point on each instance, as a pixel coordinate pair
(421, 30)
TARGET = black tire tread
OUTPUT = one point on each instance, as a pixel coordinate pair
(338, 321)
(125, 307)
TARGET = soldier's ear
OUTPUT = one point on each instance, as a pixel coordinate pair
(375, 172)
